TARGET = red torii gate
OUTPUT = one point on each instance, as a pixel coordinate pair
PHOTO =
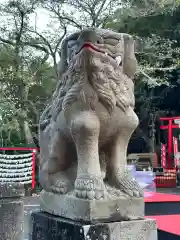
(170, 126)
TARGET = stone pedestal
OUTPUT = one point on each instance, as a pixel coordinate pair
(115, 208)
(48, 227)
(11, 211)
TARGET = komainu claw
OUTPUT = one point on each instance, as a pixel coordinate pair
(89, 187)
(126, 183)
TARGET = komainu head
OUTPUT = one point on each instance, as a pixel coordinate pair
(101, 58)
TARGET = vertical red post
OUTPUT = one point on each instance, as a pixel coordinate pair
(33, 169)
(163, 156)
(175, 145)
(169, 165)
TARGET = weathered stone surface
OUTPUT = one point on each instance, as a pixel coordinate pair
(46, 227)
(86, 127)
(84, 134)
(112, 209)
(11, 190)
(11, 211)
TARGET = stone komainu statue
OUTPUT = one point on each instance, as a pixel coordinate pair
(85, 129)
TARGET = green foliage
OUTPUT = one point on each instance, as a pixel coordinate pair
(89, 13)
(26, 77)
(23, 94)
(155, 26)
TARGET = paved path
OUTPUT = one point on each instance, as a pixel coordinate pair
(169, 190)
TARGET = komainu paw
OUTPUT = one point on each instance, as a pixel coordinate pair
(89, 187)
(124, 181)
(60, 184)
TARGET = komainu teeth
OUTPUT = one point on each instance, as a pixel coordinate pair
(106, 53)
(118, 59)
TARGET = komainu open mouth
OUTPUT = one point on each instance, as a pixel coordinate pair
(89, 45)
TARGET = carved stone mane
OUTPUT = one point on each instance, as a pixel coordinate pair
(91, 112)
(111, 85)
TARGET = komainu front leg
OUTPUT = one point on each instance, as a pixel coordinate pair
(62, 182)
(117, 173)
(60, 169)
(85, 133)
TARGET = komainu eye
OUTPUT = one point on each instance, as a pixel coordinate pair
(100, 40)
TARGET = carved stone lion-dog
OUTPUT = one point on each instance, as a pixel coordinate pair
(86, 127)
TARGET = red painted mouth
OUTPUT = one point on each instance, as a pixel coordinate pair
(90, 46)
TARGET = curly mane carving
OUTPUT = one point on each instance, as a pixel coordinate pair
(111, 86)
(86, 127)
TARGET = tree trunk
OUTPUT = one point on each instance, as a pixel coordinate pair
(28, 134)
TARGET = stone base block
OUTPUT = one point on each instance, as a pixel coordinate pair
(45, 226)
(116, 209)
(11, 219)
(11, 190)
(11, 211)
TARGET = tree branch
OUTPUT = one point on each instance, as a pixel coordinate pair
(98, 13)
(161, 69)
(45, 58)
(33, 108)
(7, 41)
(19, 34)
(18, 38)
(37, 47)
(43, 38)
(60, 17)
(70, 20)
(25, 44)
(60, 39)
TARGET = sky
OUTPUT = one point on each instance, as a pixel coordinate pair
(42, 19)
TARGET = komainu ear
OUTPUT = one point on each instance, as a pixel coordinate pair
(129, 63)
(62, 65)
